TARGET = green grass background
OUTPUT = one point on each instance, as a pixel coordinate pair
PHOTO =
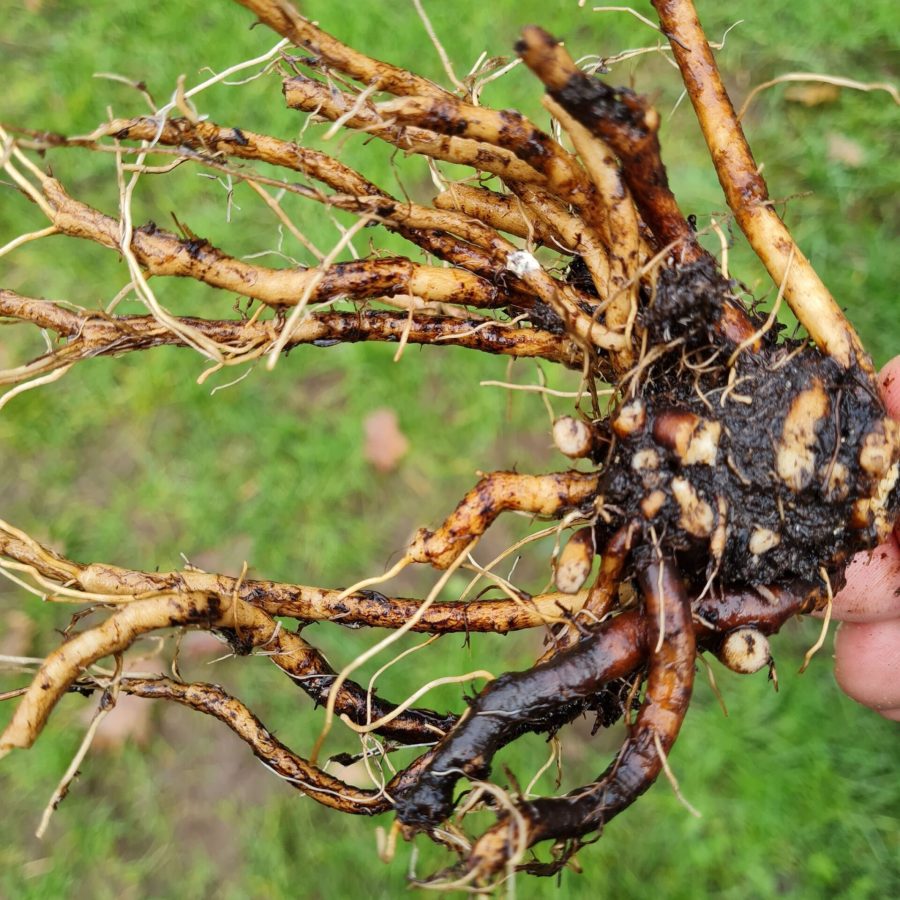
(130, 461)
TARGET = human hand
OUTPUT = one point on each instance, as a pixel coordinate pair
(867, 646)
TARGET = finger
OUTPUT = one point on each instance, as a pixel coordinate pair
(873, 579)
(867, 663)
(889, 380)
(872, 593)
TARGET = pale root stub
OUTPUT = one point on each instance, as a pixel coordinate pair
(762, 539)
(880, 458)
(796, 457)
(652, 504)
(694, 440)
(574, 562)
(696, 514)
(645, 459)
(572, 437)
(631, 418)
(745, 650)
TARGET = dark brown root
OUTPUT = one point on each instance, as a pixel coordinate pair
(630, 126)
(671, 652)
(540, 699)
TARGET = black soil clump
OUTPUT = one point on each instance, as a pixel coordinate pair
(749, 401)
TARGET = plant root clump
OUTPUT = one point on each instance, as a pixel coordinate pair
(780, 450)
(729, 472)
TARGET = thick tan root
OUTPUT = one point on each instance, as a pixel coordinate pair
(505, 128)
(283, 18)
(746, 192)
(62, 667)
(162, 253)
(540, 495)
(315, 97)
(468, 240)
(501, 211)
(627, 123)
(212, 700)
(245, 626)
(621, 236)
(113, 584)
(206, 142)
(97, 334)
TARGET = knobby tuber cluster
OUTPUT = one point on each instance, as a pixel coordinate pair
(734, 472)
